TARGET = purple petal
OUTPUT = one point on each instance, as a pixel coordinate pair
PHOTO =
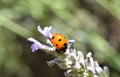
(46, 31)
(36, 45)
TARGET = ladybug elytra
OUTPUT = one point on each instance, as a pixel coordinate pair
(59, 42)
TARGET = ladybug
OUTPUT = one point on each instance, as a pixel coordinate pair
(59, 42)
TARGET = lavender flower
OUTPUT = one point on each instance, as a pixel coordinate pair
(71, 60)
(46, 31)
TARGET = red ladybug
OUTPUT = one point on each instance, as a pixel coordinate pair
(59, 42)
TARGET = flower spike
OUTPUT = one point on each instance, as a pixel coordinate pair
(73, 61)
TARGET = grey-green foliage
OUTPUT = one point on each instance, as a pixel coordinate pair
(10, 53)
(113, 6)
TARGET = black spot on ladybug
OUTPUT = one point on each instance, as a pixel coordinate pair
(64, 49)
(53, 37)
(56, 44)
(65, 44)
(59, 39)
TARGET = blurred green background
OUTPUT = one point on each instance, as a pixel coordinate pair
(94, 24)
